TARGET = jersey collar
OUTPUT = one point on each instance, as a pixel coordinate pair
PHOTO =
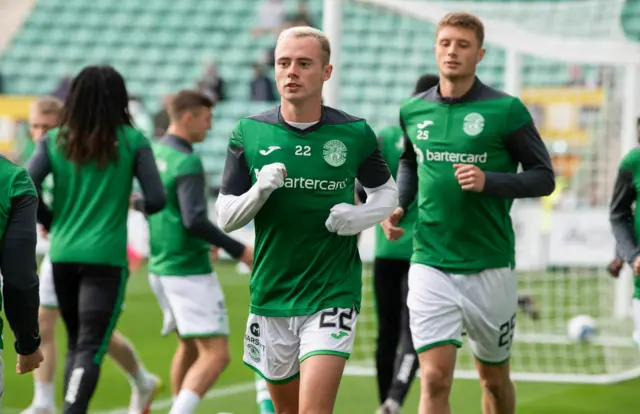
(315, 127)
(471, 94)
(178, 143)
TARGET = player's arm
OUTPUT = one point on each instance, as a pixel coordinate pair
(39, 167)
(526, 148)
(407, 177)
(239, 201)
(382, 195)
(193, 211)
(361, 194)
(621, 216)
(145, 170)
(19, 273)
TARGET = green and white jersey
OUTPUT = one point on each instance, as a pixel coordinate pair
(625, 224)
(300, 267)
(391, 140)
(181, 233)
(90, 204)
(464, 231)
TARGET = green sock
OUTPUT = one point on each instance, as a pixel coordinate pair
(265, 405)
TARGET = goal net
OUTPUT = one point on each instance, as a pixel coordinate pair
(572, 65)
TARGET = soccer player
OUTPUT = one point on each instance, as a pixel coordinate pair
(93, 157)
(180, 270)
(463, 144)
(293, 170)
(626, 225)
(396, 359)
(44, 115)
(18, 209)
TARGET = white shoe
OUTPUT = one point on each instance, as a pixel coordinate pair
(141, 398)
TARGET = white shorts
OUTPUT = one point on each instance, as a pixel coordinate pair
(441, 305)
(192, 305)
(635, 303)
(48, 298)
(274, 347)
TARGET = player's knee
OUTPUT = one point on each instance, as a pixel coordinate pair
(436, 382)
(495, 382)
(46, 323)
(214, 350)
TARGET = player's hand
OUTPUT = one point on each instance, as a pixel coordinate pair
(271, 177)
(247, 256)
(390, 225)
(636, 266)
(341, 219)
(214, 253)
(27, 363)
(615, 267)
(470, 177)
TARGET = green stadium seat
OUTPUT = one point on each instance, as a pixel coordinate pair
(161, 46)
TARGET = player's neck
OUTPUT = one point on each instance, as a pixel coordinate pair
(457, 88)
(179, 132)
(309, 111)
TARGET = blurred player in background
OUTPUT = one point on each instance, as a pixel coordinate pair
(396, 359)
(626, 226)
(463, 144)
(18, 209)
(180, 271)
(293, 169)
(93, 157)
(43, 116)
(615, 266)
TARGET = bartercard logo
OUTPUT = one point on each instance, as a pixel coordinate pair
(452, 157)
(305, 183)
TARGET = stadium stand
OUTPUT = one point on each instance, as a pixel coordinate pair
(60, 36)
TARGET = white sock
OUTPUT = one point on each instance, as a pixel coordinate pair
(140, 378)
(43, 396)
(186, 402)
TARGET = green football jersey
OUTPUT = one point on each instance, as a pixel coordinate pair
(300, 267)
(174, 250)
(626, 224)
(464, 231)
(391, 140)
(14, 182)
(90, 205)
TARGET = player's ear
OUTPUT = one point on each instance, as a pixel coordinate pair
(328, 69)
(481, 54)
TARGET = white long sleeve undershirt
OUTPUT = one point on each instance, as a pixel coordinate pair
(235, 212)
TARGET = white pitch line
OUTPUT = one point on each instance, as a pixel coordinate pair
(166, 403)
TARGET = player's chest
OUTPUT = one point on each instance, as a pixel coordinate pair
(310, 155)
(458, 130)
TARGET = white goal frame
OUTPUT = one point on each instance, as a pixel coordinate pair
(612, 50)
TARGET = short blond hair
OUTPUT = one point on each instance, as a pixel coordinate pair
(463, 19)
(306, 31)
(47, 105)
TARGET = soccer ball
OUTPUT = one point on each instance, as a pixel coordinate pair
(582, 328)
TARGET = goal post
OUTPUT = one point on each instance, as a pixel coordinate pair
(572, 65)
